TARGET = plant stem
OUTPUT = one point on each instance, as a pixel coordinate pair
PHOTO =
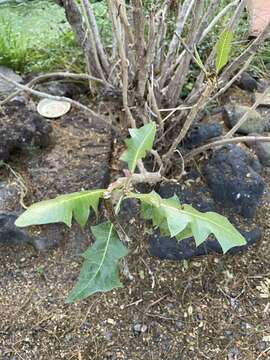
(223, 142)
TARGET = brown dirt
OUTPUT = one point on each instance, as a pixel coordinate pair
(207, 308)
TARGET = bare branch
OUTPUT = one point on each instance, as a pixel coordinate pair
(161, 35)
(222, 142)
(75, 20)
(54, 76)
(90, 35)
(144, 71)
(154, 104)
(138, 24)
(130, 36)
(217, 18)
(244, 118)
(57, 98)
(183, 13)
(96, 36)
(244, 56)
(189, 121)
(176, 84)
(124, 61)
(124, 18)
(147, 177)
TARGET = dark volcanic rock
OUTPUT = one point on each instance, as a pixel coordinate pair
(68, 89)
(5, 87)
(247, 82)
(255, 123)
(9, 233)
(12, 235)
(21, 128)
(9, 209)
(77, 159)
(263, 152)
(200, 133)
(199, 198)
(165, 247)
(233, 182)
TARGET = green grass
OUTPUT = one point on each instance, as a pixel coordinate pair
(34, 37)
(13, 47)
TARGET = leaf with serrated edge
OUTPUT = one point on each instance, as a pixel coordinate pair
(61, 209)
(223, 48)
(140, 142)
(181, 217)
(99, 272)
(187, 233)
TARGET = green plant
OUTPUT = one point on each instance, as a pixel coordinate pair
(101, 260)
(35, 38)
(13, 47)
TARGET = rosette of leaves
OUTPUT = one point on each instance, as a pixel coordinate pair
(99, 272)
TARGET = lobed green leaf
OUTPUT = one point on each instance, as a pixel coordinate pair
(141, 141)
(61, 209)
(182, 221)
(99, 272)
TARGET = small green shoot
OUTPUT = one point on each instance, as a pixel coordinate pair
(223, 48)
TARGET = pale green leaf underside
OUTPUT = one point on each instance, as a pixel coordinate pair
(223, 48)
(61, 209)
(183, 221)
(140, 142)
(99, 272)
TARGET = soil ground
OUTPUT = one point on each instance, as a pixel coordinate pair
(207, 308)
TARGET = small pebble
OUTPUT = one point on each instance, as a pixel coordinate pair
(228, 333)
(108, 335)
(139, 328)
(179, 324)
(111, 321)
(261, 346)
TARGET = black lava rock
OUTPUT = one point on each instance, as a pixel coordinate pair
(247, 82)
(200, 133)
(68, 89)
(199, 198)
(233, 181)
(168, 248)
(21, 128)
(9, 233)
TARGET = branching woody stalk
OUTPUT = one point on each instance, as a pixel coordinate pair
(189, 121)
(92, 24)
(139, 38)
(120, 37)
(183, 13)
(76, 22)
(150, 70)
